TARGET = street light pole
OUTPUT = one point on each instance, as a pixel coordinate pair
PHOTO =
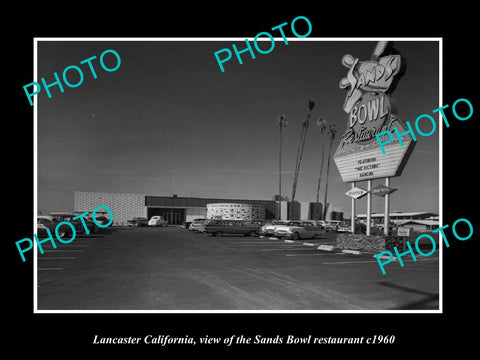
(353, 211)
(282, 122)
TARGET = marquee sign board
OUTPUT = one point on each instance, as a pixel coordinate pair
(370, 112)
(356, 193)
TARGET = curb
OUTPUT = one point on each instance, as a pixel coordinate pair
(384, 257)
(320, 247)
(331, 248)
(326, 247)
(354, 252)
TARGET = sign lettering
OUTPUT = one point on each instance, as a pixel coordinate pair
(356, 192)
(370, 113)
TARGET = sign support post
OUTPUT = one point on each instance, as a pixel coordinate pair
(353, 210)
(369, 206)
(404, 233)
(386, 217)
(355, 193)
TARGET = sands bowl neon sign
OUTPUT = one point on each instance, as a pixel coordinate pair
(370, 112)
(373, 108)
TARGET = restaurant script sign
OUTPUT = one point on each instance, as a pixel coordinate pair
(371, 111)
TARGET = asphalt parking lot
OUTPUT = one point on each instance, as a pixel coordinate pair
(175, 269)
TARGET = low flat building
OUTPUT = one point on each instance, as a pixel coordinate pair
(419, 225)
(249, 212)
(174, 209)
(177, 209)
(398, 216)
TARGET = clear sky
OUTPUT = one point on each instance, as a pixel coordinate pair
(168, 121)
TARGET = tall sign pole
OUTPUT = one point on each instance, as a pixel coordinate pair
(371, 111)
(386, 217)
(353, 209)
(355, 193)
(279, 211)
(369, 206)
(282, 122)
(384, 191)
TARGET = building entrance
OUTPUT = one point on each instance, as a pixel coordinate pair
(174, 216)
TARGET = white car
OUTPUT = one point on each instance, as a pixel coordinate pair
(268, 227)
(157, 220)
(329, 225)
(198, 225)
(297, 230)
(344, 228)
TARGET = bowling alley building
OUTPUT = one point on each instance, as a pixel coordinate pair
(176, 209)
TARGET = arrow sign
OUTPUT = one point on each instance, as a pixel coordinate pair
(356, 192)
(382, 190)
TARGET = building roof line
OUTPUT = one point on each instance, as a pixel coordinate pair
(399, 214)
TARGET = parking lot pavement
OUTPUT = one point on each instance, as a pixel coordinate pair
(55, 259)
(175, 269)
(64, 255)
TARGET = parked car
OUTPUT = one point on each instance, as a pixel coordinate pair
(45, 222)
(330, 225)
(344, 227)
(102, 220)
(137, 221)
(375, 228)
(91, 226)
(78, 225)
(186, 224)
(268, 227)
(298, 230)
(197, 225)
(220, 227)
(380, 226)
(157, 220)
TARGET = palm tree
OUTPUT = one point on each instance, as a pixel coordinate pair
(301, 144)
(282, 122)
(331, 132)
(322, 123)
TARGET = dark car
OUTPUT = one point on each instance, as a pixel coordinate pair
(102, 220)
(240, 227)
(138, 221)
(48, 222)
(361, 228)
(77, 223)
(186, 224)
(91, 226)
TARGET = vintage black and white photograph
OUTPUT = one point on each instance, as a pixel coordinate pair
(260, 174)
